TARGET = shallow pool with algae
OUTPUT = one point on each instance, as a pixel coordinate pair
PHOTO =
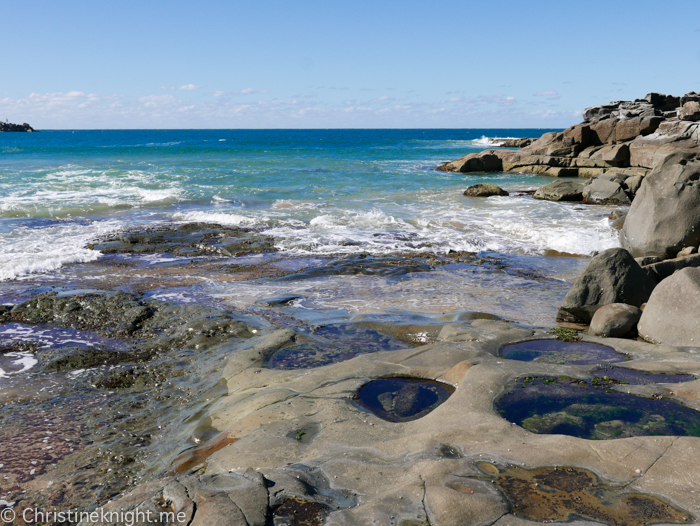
(595, 408)
(549, 494)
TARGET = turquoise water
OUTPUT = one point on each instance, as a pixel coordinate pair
(315, 191)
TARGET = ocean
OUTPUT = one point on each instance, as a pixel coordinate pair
(318, 193)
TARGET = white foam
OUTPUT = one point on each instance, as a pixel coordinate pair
(491, 141)
(222, 218)
(34, 250)
(20, 362)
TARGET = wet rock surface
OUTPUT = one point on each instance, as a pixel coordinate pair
(188, 240)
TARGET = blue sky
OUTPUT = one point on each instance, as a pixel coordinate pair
(337, 63)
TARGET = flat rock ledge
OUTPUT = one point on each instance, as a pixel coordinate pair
(352, 467)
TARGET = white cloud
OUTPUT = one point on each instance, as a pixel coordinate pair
(78, 109)
(189, 87)
(186, 87)
(550, 95)
(248, 91)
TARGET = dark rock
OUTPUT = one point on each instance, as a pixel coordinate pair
(691, 96)
(690, 111)
(191, 239)
(663, 102)
(9, 127)
(660, 270)
(484, 190)
(615, 320)
(486, 161)
(665, 214)
(560, 191)
(71, 358)
(123, 315)
(633, 183)
(613, 276)
(671, 314)
(647, 260)
(603, 191)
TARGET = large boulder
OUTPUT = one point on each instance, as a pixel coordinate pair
(690, 111)
(665, 214)
(671, 314)
(613, 276)
(486, 161)
(560, 191)
(615, 320)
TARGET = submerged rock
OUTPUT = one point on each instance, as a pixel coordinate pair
(189, 240)
(613, 276)
(560, 191)
(484, 190)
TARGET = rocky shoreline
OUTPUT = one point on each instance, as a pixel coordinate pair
(644, 153)
(203, 414)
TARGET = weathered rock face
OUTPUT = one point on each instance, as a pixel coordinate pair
(613, 276)
(9, 127)
(690, 111)
(665, 215)
(603, 191)
(560, 191)
(484, 190)
(615, 320)
(671, 314)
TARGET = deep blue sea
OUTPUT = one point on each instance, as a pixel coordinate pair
(315, 191)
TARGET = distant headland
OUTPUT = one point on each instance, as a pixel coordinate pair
(9, 127)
